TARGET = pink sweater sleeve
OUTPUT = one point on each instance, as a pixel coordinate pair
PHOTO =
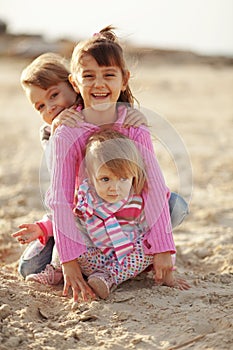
(67, 153)
(159, 238)
(47, 227)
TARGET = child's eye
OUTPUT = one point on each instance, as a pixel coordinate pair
(104, 179)
(123, 179)
(40, 107)
(110, 75)
(87, 76)
(54, 95)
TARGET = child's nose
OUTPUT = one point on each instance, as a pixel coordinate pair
(99, 81)
(50, 108)
(114, 186)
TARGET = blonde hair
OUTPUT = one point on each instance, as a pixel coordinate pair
(46, 70)
(119, 154)
(106, 50)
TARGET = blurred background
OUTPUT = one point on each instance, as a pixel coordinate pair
(203, 27)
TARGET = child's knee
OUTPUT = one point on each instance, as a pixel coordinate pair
(178, 209)
(25, 268)
(35, 258)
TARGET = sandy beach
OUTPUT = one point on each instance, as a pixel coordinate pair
(196, 105)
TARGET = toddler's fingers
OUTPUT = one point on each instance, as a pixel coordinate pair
(23, 225)
(18, 233)
(129, 120)
(83, 287)
(182, 284)
(65, 289)
(136, 124)
(158, 275)
(87, 292)
(75, 289)
(70, 122)
(23, 239)
(75, 295)
(131, 111)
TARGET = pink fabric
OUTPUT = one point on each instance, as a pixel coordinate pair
(68, 146)
(47, 227)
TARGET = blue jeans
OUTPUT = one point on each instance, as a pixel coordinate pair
(178, 209)
(37, 263)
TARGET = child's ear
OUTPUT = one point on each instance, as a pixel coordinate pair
(73, 83)
(125, 80)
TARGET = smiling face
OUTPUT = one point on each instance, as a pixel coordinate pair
(52, 101)
(100, 86)
(110, 187)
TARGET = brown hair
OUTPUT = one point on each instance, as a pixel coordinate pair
(106, 50)
(119, 154)
(46, 70)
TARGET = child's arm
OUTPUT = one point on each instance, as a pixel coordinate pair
(28, 233)
(69, 117)
(135, 118)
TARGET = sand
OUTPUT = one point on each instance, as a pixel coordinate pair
(196, 102)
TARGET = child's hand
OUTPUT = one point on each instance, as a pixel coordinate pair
(162, 265)
(69, 117)
(73, 278)
(178, 283)
(135, 118)
(28, 233)
(164, 274)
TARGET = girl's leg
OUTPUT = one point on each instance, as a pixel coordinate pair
(35, 257)
(93, 263)
(178, 209)
(106, 273)
(93, 260)
(134, 263)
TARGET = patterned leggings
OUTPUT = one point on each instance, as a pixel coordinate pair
(94, 261)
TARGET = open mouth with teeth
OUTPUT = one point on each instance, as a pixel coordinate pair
(100, 95)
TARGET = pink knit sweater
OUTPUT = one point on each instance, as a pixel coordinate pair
(68, 147)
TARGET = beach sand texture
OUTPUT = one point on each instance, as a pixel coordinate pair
(196, 101)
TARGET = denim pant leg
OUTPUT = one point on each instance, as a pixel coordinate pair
(178, 209)
(37, 262)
